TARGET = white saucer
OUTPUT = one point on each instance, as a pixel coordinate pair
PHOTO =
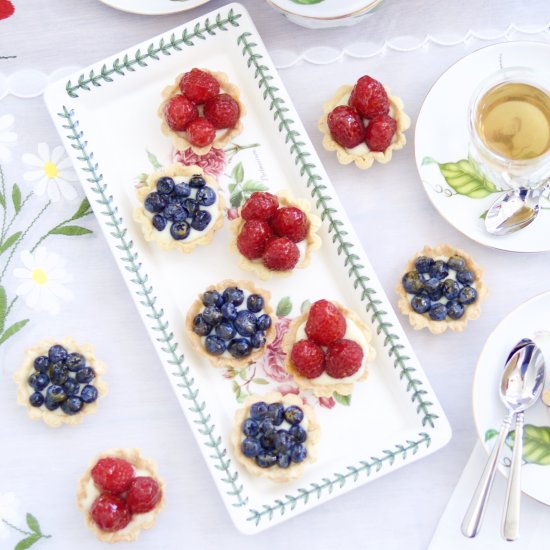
(153, 7)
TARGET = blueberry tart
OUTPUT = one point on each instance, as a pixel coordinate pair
(442, 288)
(275, 436)
(231, 323)
(328, 349)
(181, 208)
(275, 234)
(120, 494)
(363, 123)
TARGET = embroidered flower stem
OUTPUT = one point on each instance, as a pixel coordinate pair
(10, 223)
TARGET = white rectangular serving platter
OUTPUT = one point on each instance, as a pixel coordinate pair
(106, 116)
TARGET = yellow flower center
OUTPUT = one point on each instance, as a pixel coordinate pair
(39, 276)
(51, 170)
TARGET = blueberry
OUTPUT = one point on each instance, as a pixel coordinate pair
(251, 447)
(165, 185)
(450, 289)
(155, 202)
(214, 345)
(58, 373)
(75, 361)
(57, 353)
(283, 441)
(239, 347)
(465, 277)
(71, 387)
(258, 340)
(206, 196)
(229, 311)
(423, 264)
(212, 315)
(432, 284)
(412, 282)
(172, 199)
(245, 323)
(226, 330)
(455, 310)
(197, 181)
(36, 399)
(250, 428)
(200, 326)
(255, 303)
(276, 413)
(55, 395)
(263, 322)
(200, 220)
(191, 206)
(283, 460)
(293, 414)
(266, 425)
(421, 303)
(212, 298)
(180, 230)
(182, 190)
(85, 375)
(72, 405)
(88, 394)
(267, 441)
(439, 270)
(298, 433)
(266, 460)
(258, 410)
(38, 381)
(298, 453)
(233, 295)
(468, 295)
(175, 212)
(457, 263)
(41, 363)
(435, 295)
(438, 312)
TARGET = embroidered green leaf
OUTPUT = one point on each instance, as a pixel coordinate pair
(70, 231)
(27, 543)
(342, 399)
(3, 307)
(153, 160)
(284, 307)
(10, 241)
(536, 444)
(13, 329)
(260, 381)
(2, 200)
(465, 178)
(33, 524)
(489, 434)
(83, 210)
(252, 186)
(238, 173)
(236, 199)
(16, 197)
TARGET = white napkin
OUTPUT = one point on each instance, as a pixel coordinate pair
(535, 516)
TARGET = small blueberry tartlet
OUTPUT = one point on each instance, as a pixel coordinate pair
(441, 289)
(60, 381)
(181, 208)
(231, 323)
(274, 436)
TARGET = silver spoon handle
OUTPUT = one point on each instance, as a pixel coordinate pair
(473, 518)
(510, 518)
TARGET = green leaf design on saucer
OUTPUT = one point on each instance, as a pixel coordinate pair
(536, 444)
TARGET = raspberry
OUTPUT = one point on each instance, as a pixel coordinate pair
(260, 206)
(143, 495)
(290, 222)
(344, 357)
(6, 9)
(222, 111)
(280, 255)
(113, 474)
(308, 358)
(325, 324)
(369, 98)
(380, 132)
(179, 112)
(110, 512)
(201, 132)
(253, 238)
(346, 126)
(199, 86)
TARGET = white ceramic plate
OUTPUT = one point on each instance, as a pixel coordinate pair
(530, 320)
(153, 7)
(106, 116)
(441, 136)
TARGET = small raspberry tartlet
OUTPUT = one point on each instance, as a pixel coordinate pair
(201, 110)
(60, 381)
(120, 494)
(442, 288)
(181, 208)
(328, 349)
(275, 436)
(363, 123)
(275, 234)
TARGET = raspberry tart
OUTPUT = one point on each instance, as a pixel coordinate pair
(231, 323)
(328, 349)
(60, 381)
(182, 208)
(275, 436)
(442, 288)
(120, 494)
(275, 234)
(201, 110)
(364, 123)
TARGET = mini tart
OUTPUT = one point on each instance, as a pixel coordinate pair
(312, 241)
(144, 218)
(361, 155)
(419, 321)
(326, 390)
(295, 470)
(87, 492)
(223, 137)
(226, 359)
(56, 418)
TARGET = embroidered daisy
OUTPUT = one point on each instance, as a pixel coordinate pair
(7, 137)
(52, 172)
(43, 278)
(9, 504)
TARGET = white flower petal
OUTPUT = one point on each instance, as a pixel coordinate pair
(44, 152)
(32, 160)
(57, 154)
(27, 259)
(41, 187)
(24, 288)
(33, 298)
(33, 175)
(49, 302)
(22, 273)
(53, 191)
(68, 175)
(64, 163)
(68, 191)
(60, 291)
